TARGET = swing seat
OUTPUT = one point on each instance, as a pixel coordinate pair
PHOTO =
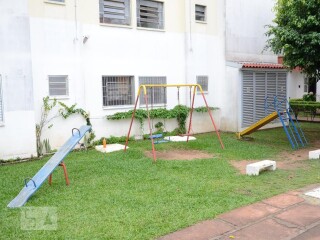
(161, 141)
(159, 138)
(155, 136)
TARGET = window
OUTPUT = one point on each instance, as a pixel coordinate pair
(155, 95)
(117, 90)
(201, 13)
(150, 14)
(203, 82)
(1, 102)
(306, 85)
(58, 85)
(115, 11)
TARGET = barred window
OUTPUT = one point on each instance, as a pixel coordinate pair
(203, 82)
(156, 95)
(115, 11)
(117, 90)
(150, 14)
(200, 13)
(1, 102)
(58, 85)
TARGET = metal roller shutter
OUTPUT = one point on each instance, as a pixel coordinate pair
(256, 86)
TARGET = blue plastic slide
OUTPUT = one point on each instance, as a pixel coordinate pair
(33, 184)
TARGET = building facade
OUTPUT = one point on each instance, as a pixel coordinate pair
(96, 54)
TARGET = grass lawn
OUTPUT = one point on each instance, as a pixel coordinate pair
(125, 196)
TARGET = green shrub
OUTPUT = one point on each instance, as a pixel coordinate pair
(309, 97)
(299, 105)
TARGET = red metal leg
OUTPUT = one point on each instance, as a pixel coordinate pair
(50, 179)
(63, 165)
(191, 111)
(65, 173)
(150, 129)
(133, 113)
(214, 125)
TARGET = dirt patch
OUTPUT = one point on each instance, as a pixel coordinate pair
(180, 155)
(285, 160)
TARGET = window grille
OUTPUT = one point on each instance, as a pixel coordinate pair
(58, 85)
(117, 90)
(157, 95)
(115, 11)
(200, 13)
(150, 14)
(203, 82)
(1, 101)
(59, 1)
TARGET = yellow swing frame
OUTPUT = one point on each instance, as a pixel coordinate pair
(144, 88)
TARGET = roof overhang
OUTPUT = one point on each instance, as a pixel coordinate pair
(255, 65)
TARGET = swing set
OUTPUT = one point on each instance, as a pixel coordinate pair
(193, 88)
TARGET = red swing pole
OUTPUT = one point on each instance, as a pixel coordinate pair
(132, 117)
(191, 111)
(150, 129)
(211, 117)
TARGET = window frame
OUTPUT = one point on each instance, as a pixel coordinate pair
(207, 83)
(128, 19)
(56, 2)
(155, 79)
(204, 13)
(132, 91)
(66, 87)
(161, 23)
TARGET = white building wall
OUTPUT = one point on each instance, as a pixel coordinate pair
(183, 50)
(231, 120)
(17, 132)
(245, 30)
(245, 38)
(295, 84)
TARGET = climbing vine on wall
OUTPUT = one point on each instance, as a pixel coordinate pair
(180, 112)
(64, 111)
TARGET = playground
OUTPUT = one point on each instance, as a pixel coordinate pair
(124, 195)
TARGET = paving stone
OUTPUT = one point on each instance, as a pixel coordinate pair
(245, 215)
(302, 215)
(296, 192)
(311, 234)
(265, 230)
(283, 200)
(201, 231)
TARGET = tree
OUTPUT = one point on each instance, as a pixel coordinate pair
(296, 34)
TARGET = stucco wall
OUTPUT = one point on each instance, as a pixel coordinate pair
(17, 132)
(295, 84)
(245, 30)
(180, 52)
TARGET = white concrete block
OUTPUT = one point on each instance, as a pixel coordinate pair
(314, 193)
(179, 138)
(256, 168)
(110, 148)
(314, 154)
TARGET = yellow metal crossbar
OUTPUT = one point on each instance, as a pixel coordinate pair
(145, 86)
(257, 125)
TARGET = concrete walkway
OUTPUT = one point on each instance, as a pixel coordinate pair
(291, 215)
